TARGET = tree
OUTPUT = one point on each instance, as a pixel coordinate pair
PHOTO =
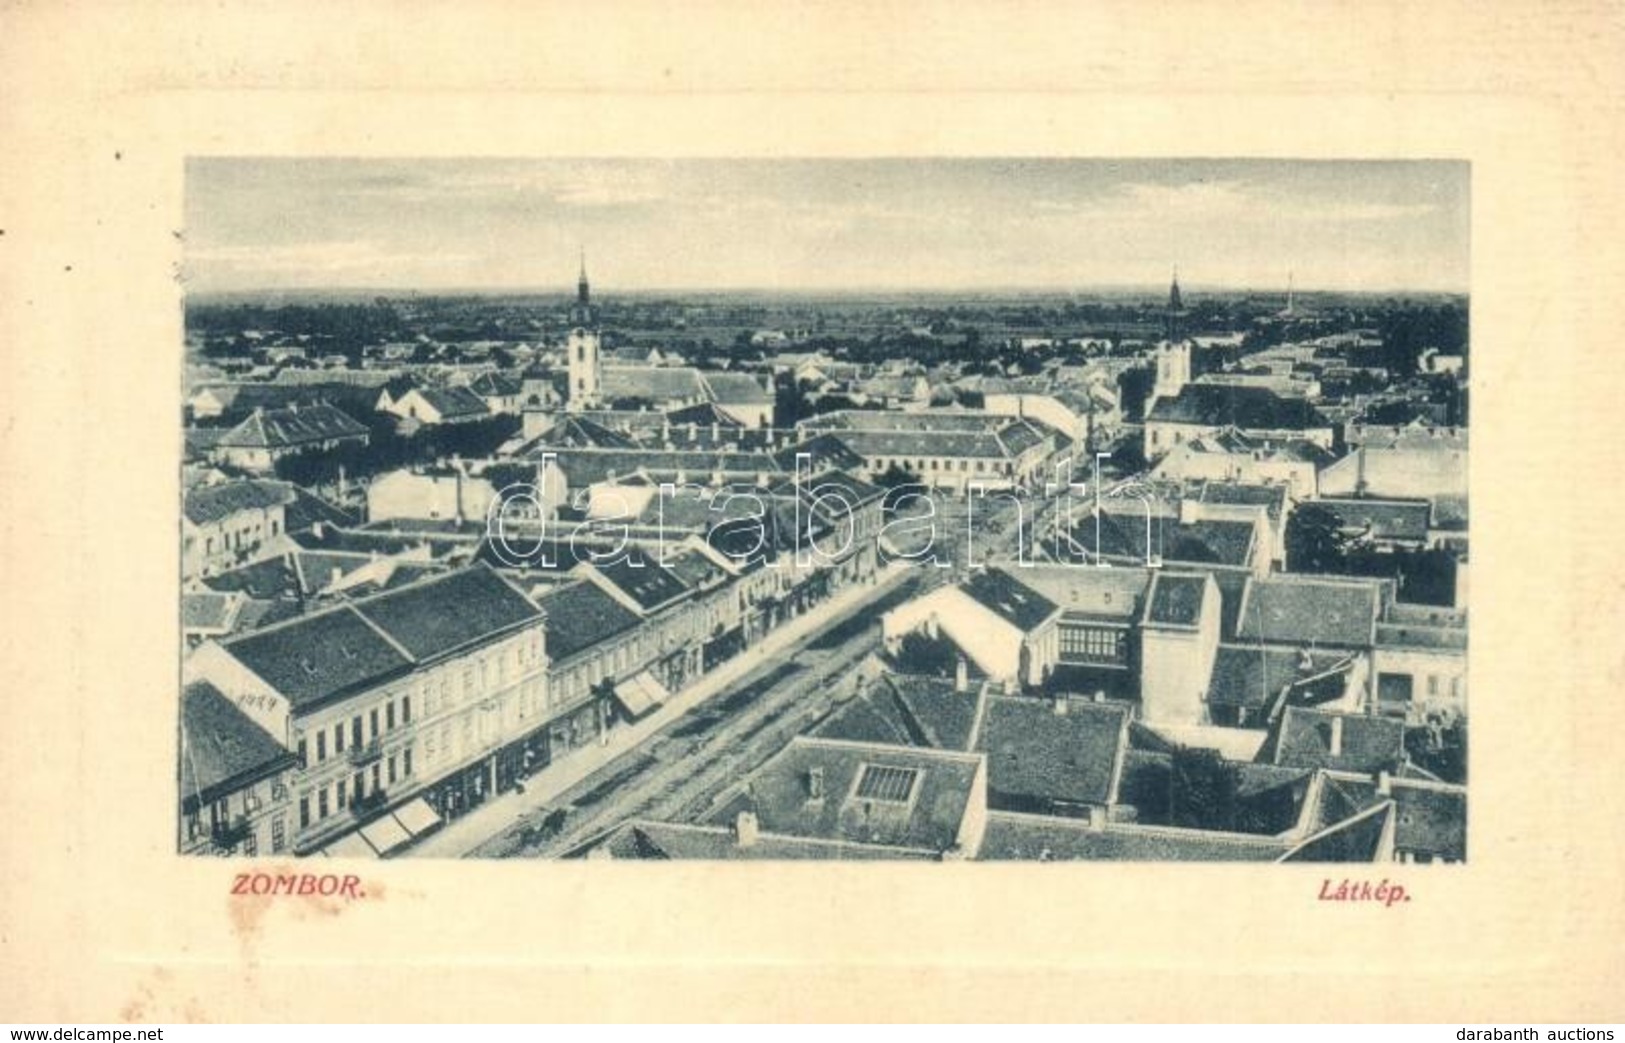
(1202, 790)
(1313, 540)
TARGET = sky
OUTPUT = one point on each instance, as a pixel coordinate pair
(825, 225)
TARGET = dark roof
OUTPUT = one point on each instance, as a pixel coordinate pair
(454, 402)
(1301, 610)
(1356, 839)
(265, 580)
(494, 385)
(207, 610)
(294, 426)
(1432, 818)
(221, 747)
(1037, 754)
(928, 820)
(1254, 677)
(1249, 408)
(1176, 599)
(305, 510)
(643, 579)
(211, 503)
(580, 615)
(1303, 738)
(1011, 837)
(445, 613)
(736, 388)
(1007, 597)
(906, 710)
(1383, 519)
(1271, 497)
(320, 657)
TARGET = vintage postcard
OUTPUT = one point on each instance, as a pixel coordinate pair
(545, 528)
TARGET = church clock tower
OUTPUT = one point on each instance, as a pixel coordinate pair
(582, 348)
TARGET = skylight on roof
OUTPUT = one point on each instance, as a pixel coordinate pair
(885, 783)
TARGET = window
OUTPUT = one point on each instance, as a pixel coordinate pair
(406, 709)
(358, 790)
(406, 762)
(304, 811)
(321, 803)
(342, 790)
(303, 762)
(321, 747)
(389, 714)
(338, 737)
(374, 716)
(377, 777)
(887, 784)
(355, 730)
(392, 769)
(251, 843)
(1433, 684)
(279, 834)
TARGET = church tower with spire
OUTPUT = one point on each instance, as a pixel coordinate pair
(582, 348)
(1173, 355)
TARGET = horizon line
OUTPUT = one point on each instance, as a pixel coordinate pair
(532, 290)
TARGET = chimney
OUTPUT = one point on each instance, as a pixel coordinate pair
(815, 783)
(337, 575)
(716, 430)
(1100, 695)
(961, 675)
(1097, 817)
(1385, 784)
(746, 829)
(1060, 706)
(1336, 741)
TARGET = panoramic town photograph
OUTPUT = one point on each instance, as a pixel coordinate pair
(884, 509)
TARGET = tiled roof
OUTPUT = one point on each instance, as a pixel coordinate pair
(445, 613)
(1384, 519)
(206, 610)
(294, 426)
(1356, 839)
(906, 710)
(1249, 408)
(736, 389)
(1271, 497)
(495, 385)
(1303, 738)
(652, 383)
(1015, 837)
(1007, 597)
(643, 579)
(1303, 610)
(1431, 818)
(454, 402)
(1036, 754)
(320, 657)
(211, 503)
(1253, 677)
(580, 615)
(928, 820)
(221, 748)
(1176, 599)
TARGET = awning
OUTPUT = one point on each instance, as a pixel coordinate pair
(417, 817)
(351, 845)
(385, 834)
(641, 694)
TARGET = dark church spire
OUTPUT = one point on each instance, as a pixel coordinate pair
(1176, 311)
(581, 314)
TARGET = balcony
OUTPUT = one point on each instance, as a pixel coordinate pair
(229, 834)
(361, 756)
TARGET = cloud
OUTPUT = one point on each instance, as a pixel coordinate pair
(1232, 201)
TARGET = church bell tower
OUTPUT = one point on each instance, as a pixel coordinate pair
(582, 348)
